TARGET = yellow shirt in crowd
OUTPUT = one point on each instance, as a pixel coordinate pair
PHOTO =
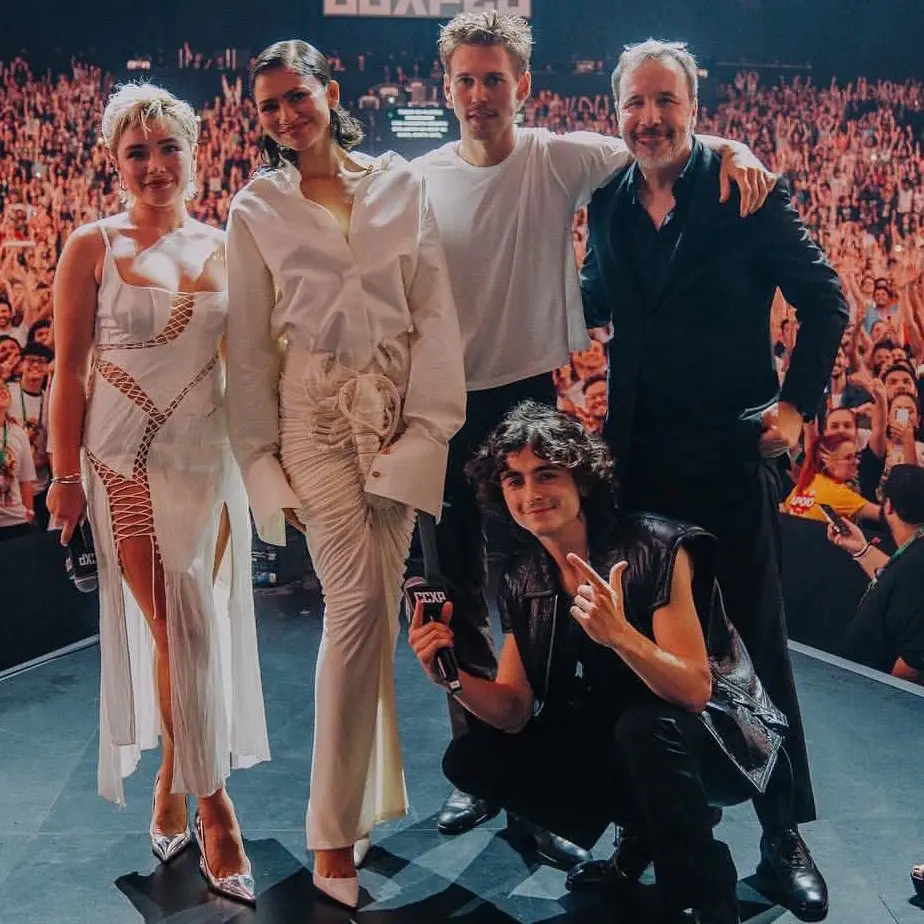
(823, 490)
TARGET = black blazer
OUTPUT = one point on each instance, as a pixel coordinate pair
(696, 366)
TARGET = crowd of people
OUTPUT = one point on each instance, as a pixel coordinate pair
(395, 398)
(851, 153)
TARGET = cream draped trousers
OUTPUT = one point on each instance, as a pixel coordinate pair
(333, 421)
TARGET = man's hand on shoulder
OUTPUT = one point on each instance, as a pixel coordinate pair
(741, 167)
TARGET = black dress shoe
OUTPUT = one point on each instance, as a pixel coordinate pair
(788, 875)
(462, 812)
(554, 850)
(633, 854)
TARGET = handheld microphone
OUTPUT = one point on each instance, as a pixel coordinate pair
(430, 592)
(80, 558)
(419, 590)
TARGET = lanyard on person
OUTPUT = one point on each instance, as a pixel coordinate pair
(918, 533)
(22, 404)
(906, 545)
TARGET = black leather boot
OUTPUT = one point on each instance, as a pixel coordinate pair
(627, 864)
(787, 874)
(554, 850)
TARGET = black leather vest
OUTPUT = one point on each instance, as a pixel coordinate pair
(740, 715)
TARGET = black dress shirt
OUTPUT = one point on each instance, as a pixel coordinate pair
(650, 248)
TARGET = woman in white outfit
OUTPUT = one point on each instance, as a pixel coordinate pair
(344, 428)
(138, 398)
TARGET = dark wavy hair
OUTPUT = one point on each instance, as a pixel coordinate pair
(307, 61)
(905, 488)
(900, 366)
(558, 439)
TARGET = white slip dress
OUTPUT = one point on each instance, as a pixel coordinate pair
(158, 464)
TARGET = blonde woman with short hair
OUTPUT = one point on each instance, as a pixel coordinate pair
(140, 443)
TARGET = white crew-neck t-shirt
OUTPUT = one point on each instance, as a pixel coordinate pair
(506, 233)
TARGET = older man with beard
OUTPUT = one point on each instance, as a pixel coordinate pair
(696, 407)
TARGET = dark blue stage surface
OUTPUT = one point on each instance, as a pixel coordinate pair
(66, 857)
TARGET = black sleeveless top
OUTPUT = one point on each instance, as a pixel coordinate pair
(587, 677)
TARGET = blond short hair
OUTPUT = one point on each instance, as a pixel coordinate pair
(144, 104)
(512, 33)
(656, 50)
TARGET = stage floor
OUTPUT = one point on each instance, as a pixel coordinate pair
(67, 857)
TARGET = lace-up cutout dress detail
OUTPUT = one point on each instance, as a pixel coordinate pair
(130, 498)
(160, 468)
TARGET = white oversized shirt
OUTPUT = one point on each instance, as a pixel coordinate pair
(506, 233)
(292, 274)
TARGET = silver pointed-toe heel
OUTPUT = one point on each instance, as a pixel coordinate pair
(361, 851)
(344, 891)
(237, 886)
(166, 847)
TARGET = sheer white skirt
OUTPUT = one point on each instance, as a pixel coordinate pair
(216, 690)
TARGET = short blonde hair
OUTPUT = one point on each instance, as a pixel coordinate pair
(656, 50)
(512, 33)
(142, 104)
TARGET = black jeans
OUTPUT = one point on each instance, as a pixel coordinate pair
(742, 514)
(460, 533)
(656, 768)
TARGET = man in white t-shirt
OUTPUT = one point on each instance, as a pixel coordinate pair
(504, 200)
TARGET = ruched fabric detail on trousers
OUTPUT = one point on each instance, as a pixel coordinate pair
(332, 421)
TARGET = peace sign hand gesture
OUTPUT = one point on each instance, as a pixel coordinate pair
(598, 605)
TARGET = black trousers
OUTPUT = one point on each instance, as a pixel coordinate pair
(656, 768)
(460, 533)
(741, 511)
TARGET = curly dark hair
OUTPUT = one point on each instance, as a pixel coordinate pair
(558, 439)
